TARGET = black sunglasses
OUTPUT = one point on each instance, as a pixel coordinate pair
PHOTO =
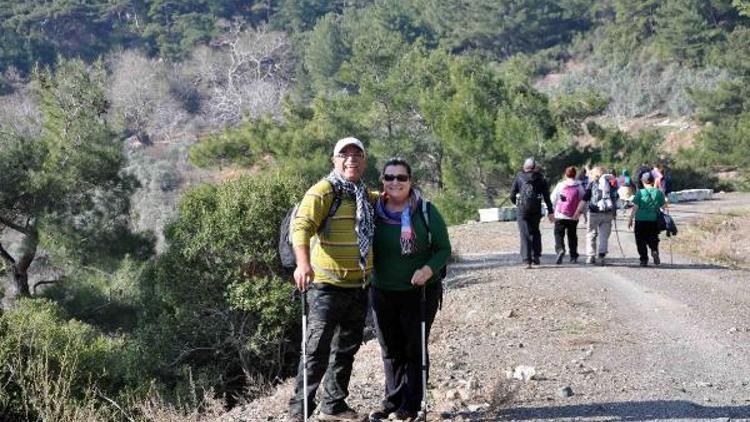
(392, 177)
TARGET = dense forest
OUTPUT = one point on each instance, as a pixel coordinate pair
(150, 148)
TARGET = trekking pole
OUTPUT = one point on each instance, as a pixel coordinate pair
(303, 298)
(617, 236)
(423, 312)
(671, 258)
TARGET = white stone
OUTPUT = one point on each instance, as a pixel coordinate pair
(524, 373)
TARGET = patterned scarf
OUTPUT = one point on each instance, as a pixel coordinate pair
(402, 218)
(364, 224)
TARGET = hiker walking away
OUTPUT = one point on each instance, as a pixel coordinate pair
(335, 270)
(643, 168)
(411, 248)
(663, 178)
(566, 197)
(600, 201)
(528, 190)
(646, 205)
(626, 191)
(583, 176)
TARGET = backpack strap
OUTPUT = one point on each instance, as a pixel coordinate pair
(332, 210)
(426, 217)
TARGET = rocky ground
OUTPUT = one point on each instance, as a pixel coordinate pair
(576, 342)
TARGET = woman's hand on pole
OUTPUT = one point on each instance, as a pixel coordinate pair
(421, 276)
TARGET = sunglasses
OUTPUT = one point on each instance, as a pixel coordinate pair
(354, 155)
(399, 177)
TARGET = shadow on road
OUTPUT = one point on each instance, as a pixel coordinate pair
(486, 261)
(626, 411)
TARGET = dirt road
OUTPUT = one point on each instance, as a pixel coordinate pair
(617, 342)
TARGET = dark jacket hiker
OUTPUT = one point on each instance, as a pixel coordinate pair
(527, 193)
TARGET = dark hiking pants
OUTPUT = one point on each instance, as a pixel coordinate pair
(335, 323)
(646, 237)
(531, 237)
(563, 226)
(398, 320)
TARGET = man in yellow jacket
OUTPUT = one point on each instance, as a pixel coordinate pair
(334, 260)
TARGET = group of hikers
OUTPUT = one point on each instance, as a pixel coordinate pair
(594, 194)
(356, 250)
(353, 246)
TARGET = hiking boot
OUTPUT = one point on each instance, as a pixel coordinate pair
(346, 415)
(381, 414)
(536, 261)
(560, 256)
(591, 260)
(655, 256)
(404, 416)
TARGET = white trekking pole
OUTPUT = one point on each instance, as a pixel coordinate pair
(303, 298)
(423, 311)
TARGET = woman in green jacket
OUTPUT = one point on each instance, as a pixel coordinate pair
(409, 255)
(646, 205)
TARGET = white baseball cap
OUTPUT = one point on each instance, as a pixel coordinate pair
(529, 164)
(343, 143)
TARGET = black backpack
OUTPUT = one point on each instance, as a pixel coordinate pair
(425, 213)
(529, 200)
(286, 249)
(665, 222)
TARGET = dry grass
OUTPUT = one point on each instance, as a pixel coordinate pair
(501, 396)
(205, 409)
(723, 239)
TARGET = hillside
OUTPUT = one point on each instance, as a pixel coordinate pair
(606, 343)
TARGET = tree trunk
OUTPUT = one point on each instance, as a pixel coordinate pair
(18, 283)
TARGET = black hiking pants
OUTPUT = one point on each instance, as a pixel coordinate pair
(563, 226)
(531, 237)
(646, 237)
(335, 324)
(397, 317)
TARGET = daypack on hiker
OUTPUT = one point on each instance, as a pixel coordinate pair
(665, 222)
(286, 249)
(426, 210)
(603, 196)
(570, 196)
(529, 200)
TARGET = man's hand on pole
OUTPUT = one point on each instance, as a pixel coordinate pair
(303, 274)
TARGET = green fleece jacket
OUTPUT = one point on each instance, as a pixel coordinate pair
(393, 271)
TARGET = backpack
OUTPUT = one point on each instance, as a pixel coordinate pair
(286, 249)
(664, 221)
(529, 201)
(425, 213)
(570, 196)
(602, 195)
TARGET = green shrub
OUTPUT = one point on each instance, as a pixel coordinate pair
(108, 301)
(215, 303)
(456, 207)
(55, 369)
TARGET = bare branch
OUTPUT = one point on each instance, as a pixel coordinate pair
(41, 283)
(187, 353)
(6, 256)
(114, 403)
(11, 225)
